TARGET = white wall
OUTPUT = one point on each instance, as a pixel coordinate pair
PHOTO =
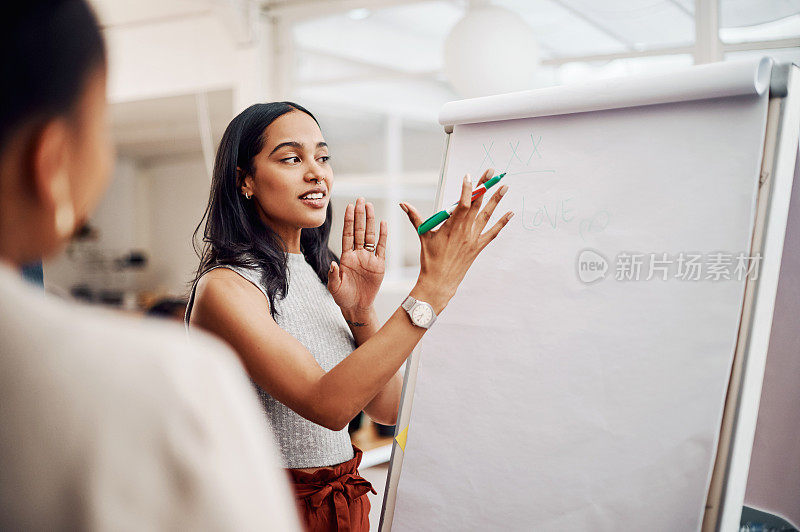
(116, 214)
(179, 56)
(177, 193)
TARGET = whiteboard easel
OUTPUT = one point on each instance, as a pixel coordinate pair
(726, 493)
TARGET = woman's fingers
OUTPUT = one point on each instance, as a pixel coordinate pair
(369, 233)
(486, 213)
(464, 201)
(490, 235)
(347, 230)
(486, 176)
(360, 223)
(380, 249)
(412, 213)
(476, 204)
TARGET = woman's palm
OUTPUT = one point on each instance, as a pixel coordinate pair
(355, 281)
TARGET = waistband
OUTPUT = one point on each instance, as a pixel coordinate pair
(341, 482)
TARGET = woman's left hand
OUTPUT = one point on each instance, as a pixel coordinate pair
(355, 281)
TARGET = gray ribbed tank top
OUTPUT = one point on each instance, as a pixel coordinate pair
(309, 313)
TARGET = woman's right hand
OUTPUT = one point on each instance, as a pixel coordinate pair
(449, 251)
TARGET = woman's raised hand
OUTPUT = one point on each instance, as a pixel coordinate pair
(448, 252)
(355, 281)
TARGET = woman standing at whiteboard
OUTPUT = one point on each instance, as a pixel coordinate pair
(302, 320)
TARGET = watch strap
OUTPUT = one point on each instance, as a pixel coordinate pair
(408, 303)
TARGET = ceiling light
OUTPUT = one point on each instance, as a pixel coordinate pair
(491, 50)
(358, 14)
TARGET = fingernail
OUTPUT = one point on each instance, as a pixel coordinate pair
(503, 190)
(510, 215)
(403, 206)
(467, 178)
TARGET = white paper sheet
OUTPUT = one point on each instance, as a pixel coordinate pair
(547, 403)
(714, 80)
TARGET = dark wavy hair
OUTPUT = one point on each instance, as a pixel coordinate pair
(233, 233)
(49, 49)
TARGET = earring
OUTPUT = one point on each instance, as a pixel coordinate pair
(247, 195)
(65, 213)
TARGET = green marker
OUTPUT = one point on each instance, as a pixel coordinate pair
(441, 216)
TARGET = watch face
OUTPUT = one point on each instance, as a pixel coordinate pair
(421, 314)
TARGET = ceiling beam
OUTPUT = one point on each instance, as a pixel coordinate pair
(708, 47)
(382, 72)
(793, 42)
(204, 130)
(677, 50)
(307, 9)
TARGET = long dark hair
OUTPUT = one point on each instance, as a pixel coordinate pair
(49, 49)
(233, 233)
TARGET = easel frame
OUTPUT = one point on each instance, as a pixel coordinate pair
(729, 479)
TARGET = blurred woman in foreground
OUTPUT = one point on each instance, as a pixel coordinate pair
(107, 423)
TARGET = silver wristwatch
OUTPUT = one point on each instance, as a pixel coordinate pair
(421, 313)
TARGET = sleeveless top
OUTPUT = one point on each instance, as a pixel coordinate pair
(309, 313)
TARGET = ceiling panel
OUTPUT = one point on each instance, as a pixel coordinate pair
(647, 24)
(779, 29)
(316, 67)
(431, 19)
(371, 42)
(734, 13)
(687, 5)
(561, 33)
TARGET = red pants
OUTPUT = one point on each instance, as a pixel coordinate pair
(333, 498)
